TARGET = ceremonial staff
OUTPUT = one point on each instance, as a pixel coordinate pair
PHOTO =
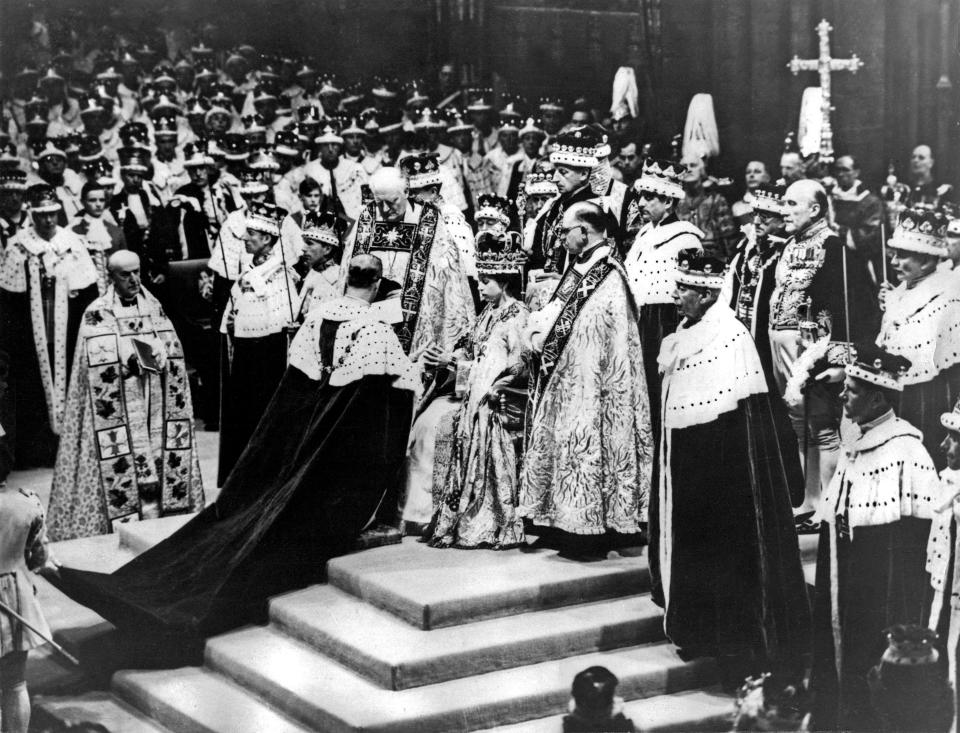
(56, 647)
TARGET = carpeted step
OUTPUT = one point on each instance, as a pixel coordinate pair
(94, 707)
(692, 710)
(196, 700)
(326, 696)
(433, 588)
(398, 656)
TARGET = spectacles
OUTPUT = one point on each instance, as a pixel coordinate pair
(564, 231)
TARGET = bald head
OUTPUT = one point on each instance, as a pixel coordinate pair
(584, 226)
(124, 267)
(921, 163)
(386, 180)
(806, 203)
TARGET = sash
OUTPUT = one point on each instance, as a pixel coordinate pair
(559, 335)
(129, 455)
(403, 237)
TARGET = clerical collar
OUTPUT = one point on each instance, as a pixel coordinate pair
(876, 422)
(588, 253)
(127, 302)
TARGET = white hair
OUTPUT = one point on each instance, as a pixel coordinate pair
(122, 258)
(388, 180)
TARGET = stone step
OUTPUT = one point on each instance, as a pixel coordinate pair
(93, 707)
(432, 588)
(398, 656)
(197, 700)
(324, 695)
(680, 712)
(140, 536)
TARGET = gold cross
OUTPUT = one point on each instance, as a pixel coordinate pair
(824, 64)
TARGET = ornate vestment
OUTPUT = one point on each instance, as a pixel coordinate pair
(589, 447)
(478, 495)
(127, 440)
(419, 253)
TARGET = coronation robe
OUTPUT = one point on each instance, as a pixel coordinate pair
(872, 569)
(313, 476)
(44, 289)
(922, 323)
(588, 451)
(423, 257)
(724, 558)
(263, 303)
(127, 447)
(477, 495)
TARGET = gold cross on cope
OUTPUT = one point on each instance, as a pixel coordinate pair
(824, 64)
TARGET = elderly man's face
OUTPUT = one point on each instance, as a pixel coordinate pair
(800, 208)
(921, 161)
(756, 175)
(692, 302)
(391, 205)
(126, 279)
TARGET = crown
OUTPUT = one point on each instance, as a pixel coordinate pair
(494, 207)
(576, 148)
(921, 231)
(197, 154)
(321, 227)
(234, 146)
(13, 180)
(429, 121)
(328, 136)
(43, 199)
(265, 217)
(540, 184)
(663, 178)
(421, 170)
(479, 99)
(696, 270)
(875, 365)
(90, 149)
(456, 123)
(552, 104)
(251, 184)
(500, 255)
(603, 146)
(263, 160)
(768, 200)
(166, 126)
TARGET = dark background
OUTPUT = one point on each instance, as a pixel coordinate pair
(735, 49)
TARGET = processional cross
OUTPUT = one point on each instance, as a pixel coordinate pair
(824, 64)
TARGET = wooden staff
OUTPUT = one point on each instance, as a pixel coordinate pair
(56, 647)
